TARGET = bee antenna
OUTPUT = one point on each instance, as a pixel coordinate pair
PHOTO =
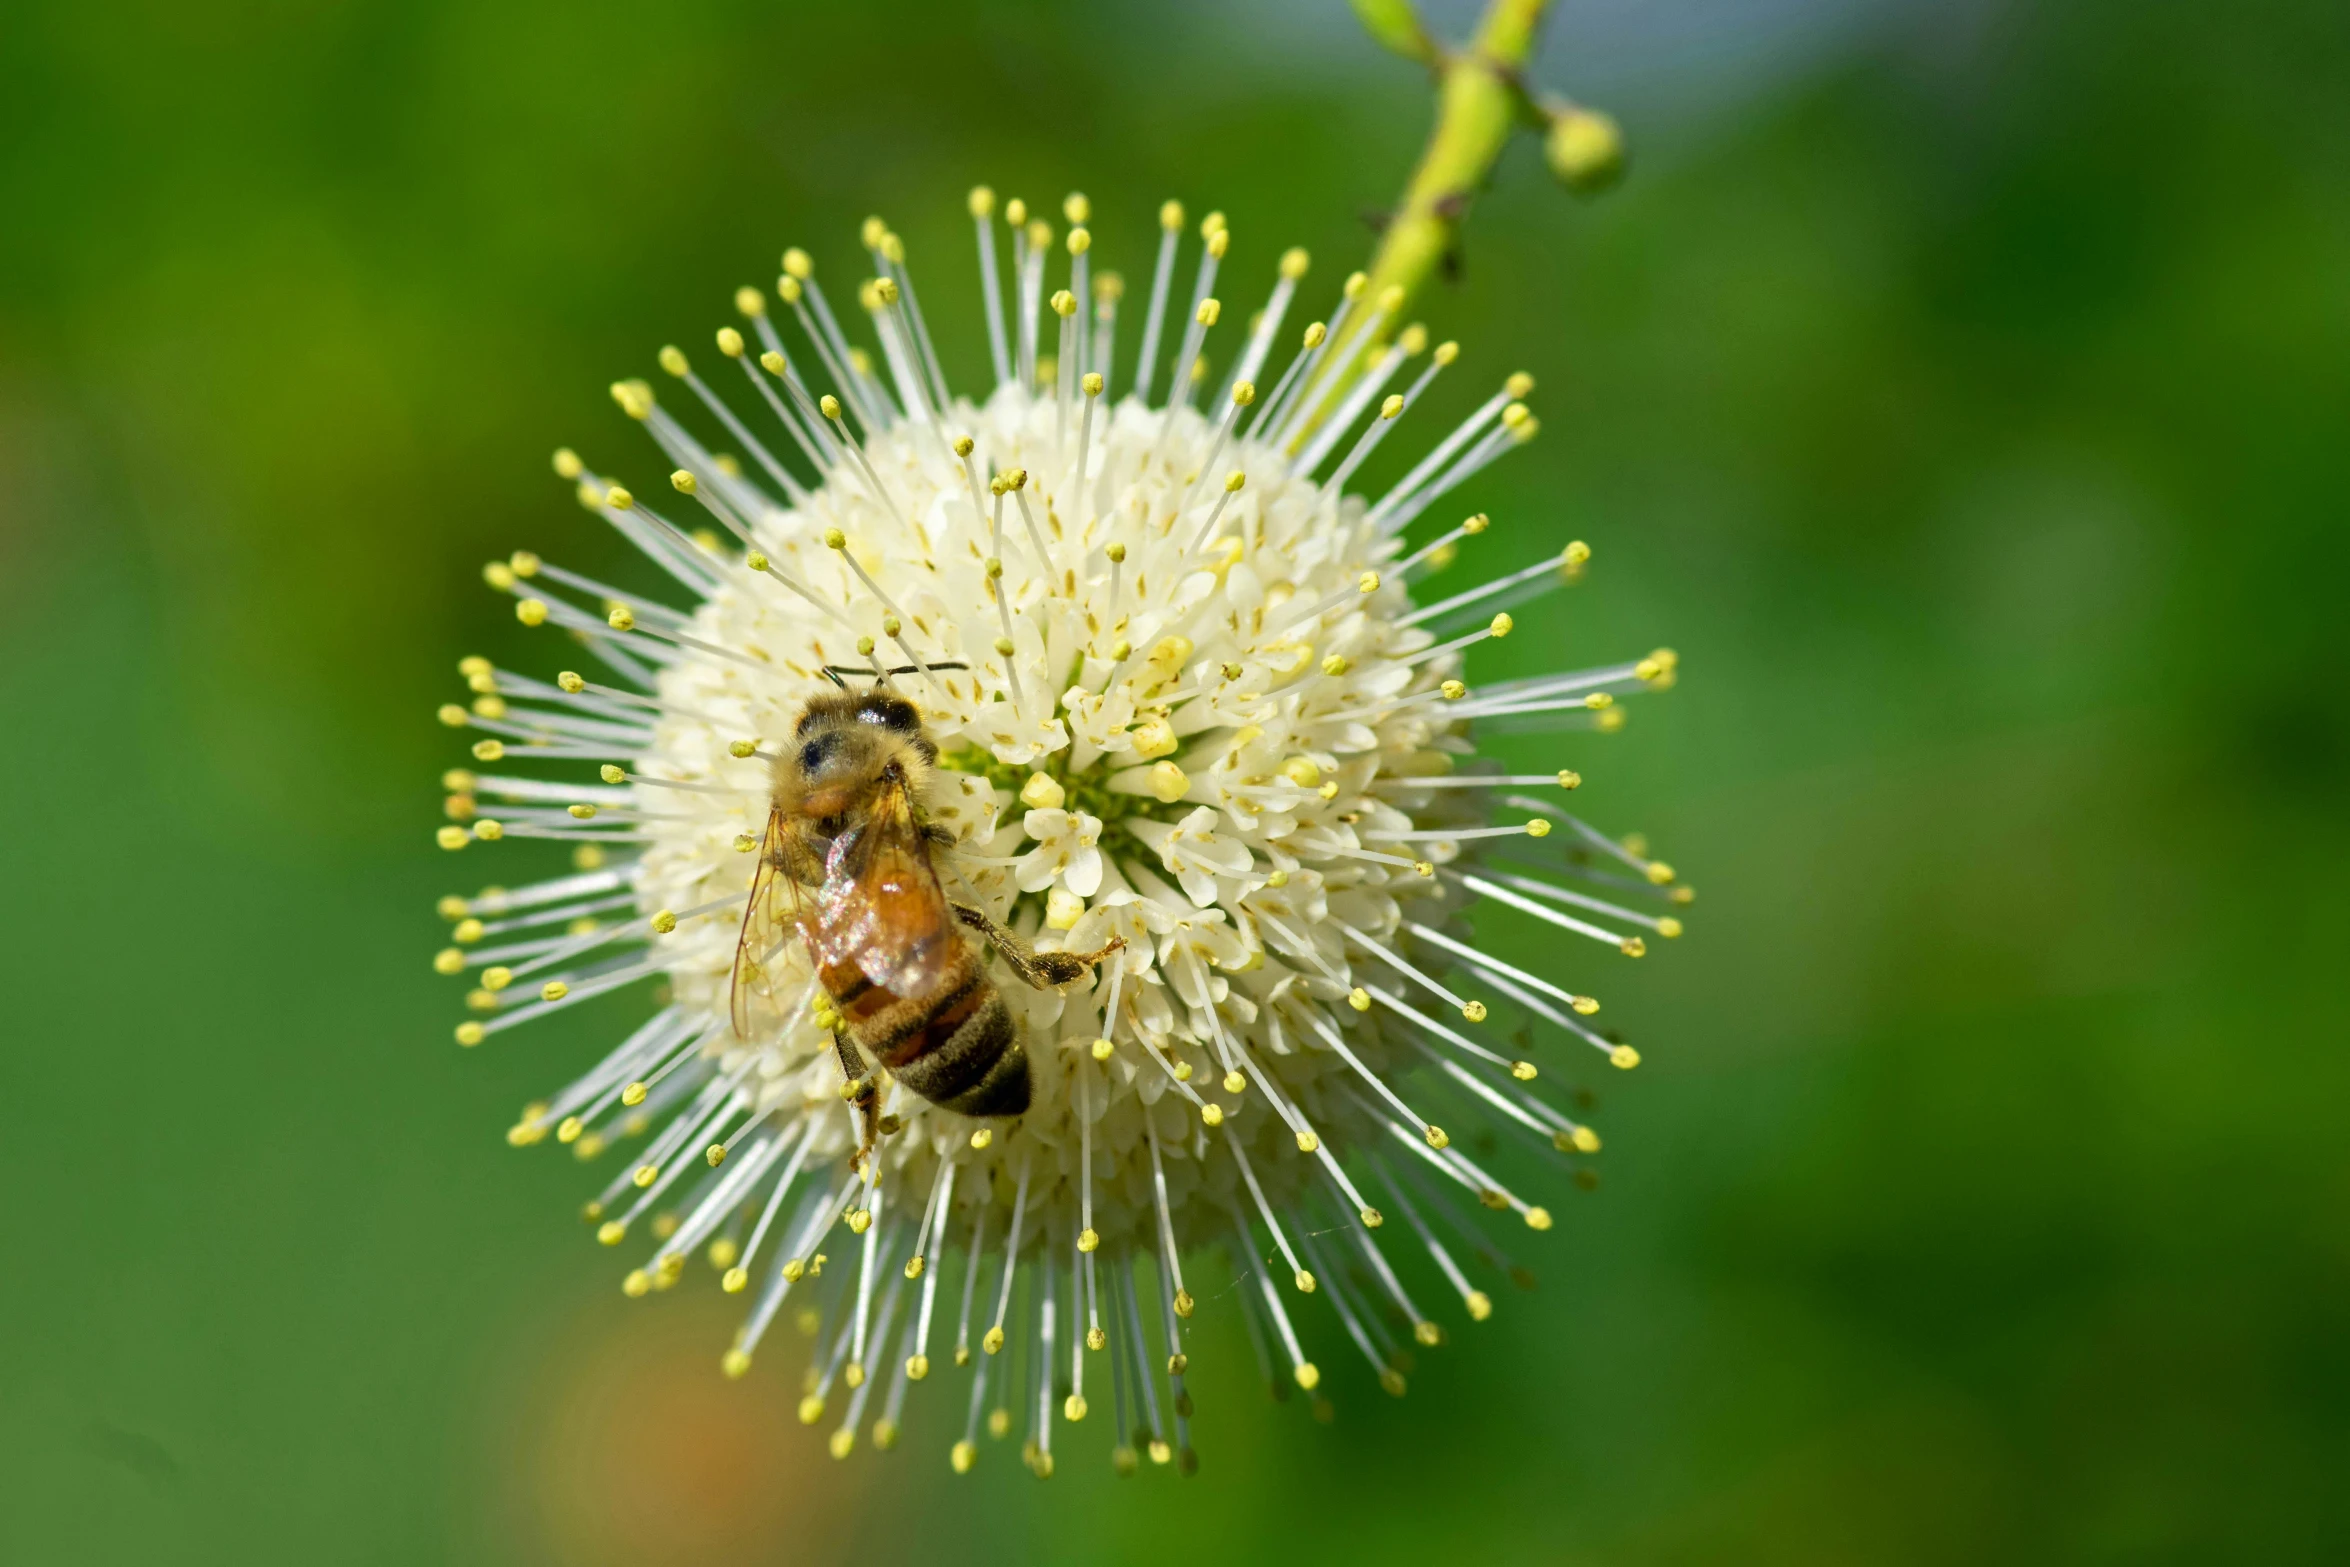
(833, 672)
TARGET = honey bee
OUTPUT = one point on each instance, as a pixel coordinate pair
(907, 986)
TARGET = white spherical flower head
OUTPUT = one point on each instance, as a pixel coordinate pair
(1055, 834)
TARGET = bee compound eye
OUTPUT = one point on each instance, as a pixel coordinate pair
(889, 712)
(812, 756)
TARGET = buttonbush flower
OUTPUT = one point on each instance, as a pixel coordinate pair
(1191, 689)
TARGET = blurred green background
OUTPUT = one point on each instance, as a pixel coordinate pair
(1964, 390)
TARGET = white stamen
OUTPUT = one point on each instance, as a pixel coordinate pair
(1170, 236)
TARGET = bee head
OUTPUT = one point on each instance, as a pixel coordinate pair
(845, 744)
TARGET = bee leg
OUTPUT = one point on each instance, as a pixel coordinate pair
(869, 1132)
(798, 854)
(1044, 970)
(858, 1090)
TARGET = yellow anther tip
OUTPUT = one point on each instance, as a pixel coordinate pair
(634, 397)
(1168, 782)
(1624, 1056)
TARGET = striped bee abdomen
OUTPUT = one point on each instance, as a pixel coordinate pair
(964, 1056)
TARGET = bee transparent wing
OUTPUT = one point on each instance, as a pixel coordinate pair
(882, 912)
(767, 925)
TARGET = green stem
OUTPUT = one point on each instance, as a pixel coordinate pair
(1479, 102)
(1480, 99)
